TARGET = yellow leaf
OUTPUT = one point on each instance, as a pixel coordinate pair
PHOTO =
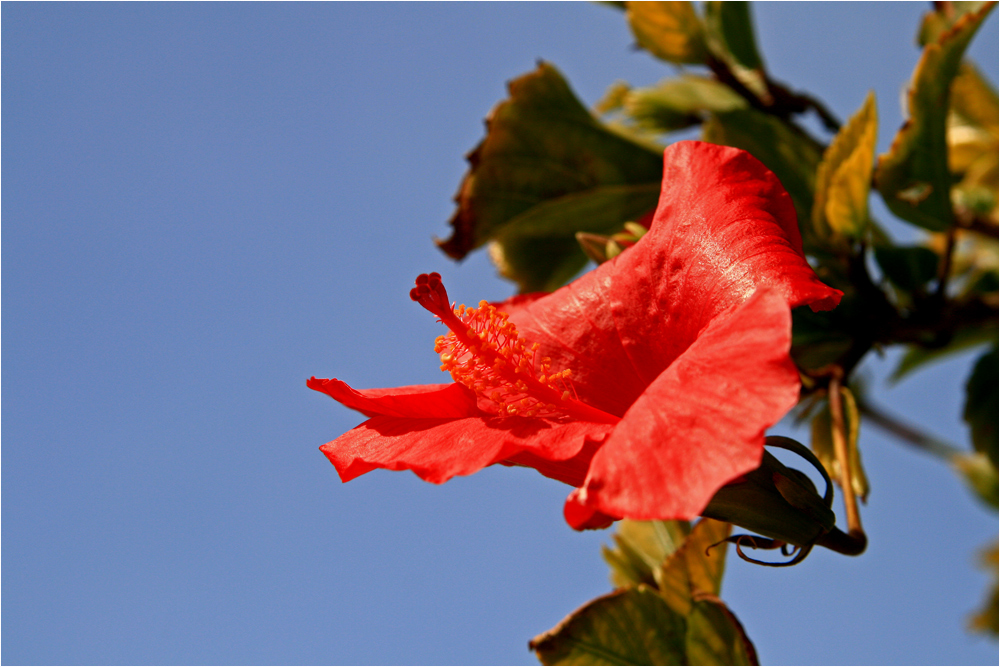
(974, 100)
(844, 176)
(670, 31)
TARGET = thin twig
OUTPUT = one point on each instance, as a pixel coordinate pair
(944, 270)
(908, 434)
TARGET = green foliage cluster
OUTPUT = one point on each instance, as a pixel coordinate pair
(666, 610)
(554, 185)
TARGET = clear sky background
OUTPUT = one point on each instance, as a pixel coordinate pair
(203, 205)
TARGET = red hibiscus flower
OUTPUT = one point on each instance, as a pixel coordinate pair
(647, 383)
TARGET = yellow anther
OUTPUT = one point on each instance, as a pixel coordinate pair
(566, 396)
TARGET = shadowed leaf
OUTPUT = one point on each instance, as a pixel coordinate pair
(632, 626)
(844, 176)
(730, 37)
(913, 177)
(907, 267)
(546, 170)
(981, 399)
(730, 27)
(817, 340)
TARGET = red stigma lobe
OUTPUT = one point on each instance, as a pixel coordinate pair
(431, 294)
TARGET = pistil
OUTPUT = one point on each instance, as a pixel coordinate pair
(484, 352)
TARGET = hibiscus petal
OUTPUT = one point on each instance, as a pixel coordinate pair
(425, 400)
(572, 471)
(724, 228)
(575, 328)
(701, 422)
(438, 449)
(581, 517)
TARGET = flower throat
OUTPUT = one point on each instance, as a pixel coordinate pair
(483, 351)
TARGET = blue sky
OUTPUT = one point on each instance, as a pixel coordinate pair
(205, 204)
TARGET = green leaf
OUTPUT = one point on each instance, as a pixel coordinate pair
(916, 356)
(822, 443)
(716, 637)
(632, 626)
(730, 38)
(981, 400)
(538, 249)
(907, 267)
(678, 103)
(942, 17)
(844, 176)
(913, 177)
(695, 568)
(792, 157)
(730, 31)
(538, 264)
(670, 31)
(980, 475)
(640, 548)
(546, 170)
